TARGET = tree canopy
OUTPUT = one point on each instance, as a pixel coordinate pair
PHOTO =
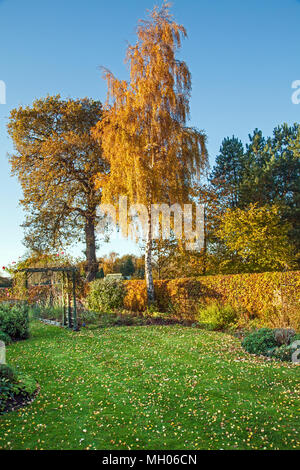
(153, 155)
(56, 160)
(255, 239)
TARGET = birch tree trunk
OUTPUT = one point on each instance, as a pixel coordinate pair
(148, 261)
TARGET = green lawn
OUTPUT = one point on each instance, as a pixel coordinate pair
(155, 387)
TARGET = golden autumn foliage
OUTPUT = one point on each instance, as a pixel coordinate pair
(256, 239)
(153, 156)
(56, 159)
(267, 299)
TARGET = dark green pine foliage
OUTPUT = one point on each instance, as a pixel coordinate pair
(227, 173)
(284, 171)
(100, 274)
(266, 173)
(127, 269)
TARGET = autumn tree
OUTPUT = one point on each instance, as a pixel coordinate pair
(153, 155)
(127, 267)
(110, 263)
(56, 160)
(265, 173)
(256, 240)
(171, 259)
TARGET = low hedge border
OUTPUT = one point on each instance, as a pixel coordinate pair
(270, 299)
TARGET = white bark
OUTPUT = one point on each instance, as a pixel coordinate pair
(148, 261)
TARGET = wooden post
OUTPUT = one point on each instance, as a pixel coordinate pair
(26, 285)
(69, 302)
(51, 288)
(69, 317)
(63, 299)
(74, 302)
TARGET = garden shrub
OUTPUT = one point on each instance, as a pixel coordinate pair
(135, 299)
(217, 317)
(284, 336)
(106, 295)
(285, 351)
(26, 385)
(7, 372)
(6, 392)
(278, 343)
(5, 337)
(282, 353)
(260, 341)
(14, 384)
(14, 320)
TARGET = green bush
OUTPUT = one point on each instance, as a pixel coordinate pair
(7, 373)
(270, 343)
(14, 320)
(284, 335)
(6, 392)
(283, 353)
(5, 337)
(260, 341)
(106, 295)
(26, 385)
(13, 385)
(217, 317)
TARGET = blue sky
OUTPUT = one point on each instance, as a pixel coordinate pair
(243, 55)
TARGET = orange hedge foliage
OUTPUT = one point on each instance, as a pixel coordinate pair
(265, 296)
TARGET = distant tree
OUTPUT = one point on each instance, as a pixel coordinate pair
(227, 173)
(110, 263)
(153, 155)
(256, 183)
(100, 274)
(139, 268)
(56, 160)
(127, 268)
(164, 257)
